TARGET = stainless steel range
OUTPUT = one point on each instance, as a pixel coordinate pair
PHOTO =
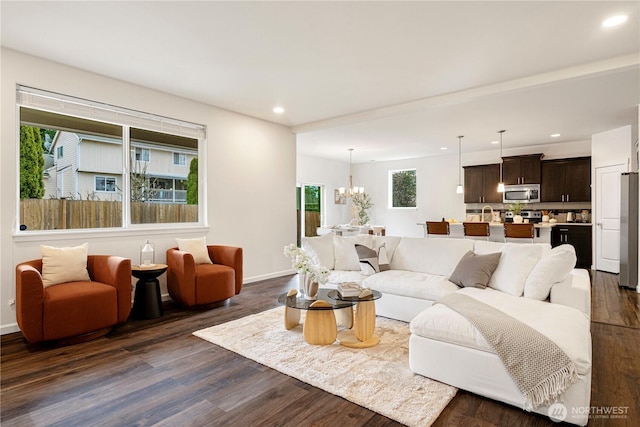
(532, 216)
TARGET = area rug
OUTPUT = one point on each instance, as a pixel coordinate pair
(377, 378)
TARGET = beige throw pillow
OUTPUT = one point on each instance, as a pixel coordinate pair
(61, 265)
(197, 248)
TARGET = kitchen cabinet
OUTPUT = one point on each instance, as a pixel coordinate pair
(521, 169)
(579, 236)
(566, 180)
(481, 184)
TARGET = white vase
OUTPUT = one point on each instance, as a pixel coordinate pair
(517, 219)
(310, 288)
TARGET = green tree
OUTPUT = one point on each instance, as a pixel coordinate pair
(47, 133)
(31, 163)
(192, 182)
(404, 189)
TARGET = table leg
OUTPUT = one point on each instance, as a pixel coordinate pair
(147, 302)
(364, 327)
(320, 326)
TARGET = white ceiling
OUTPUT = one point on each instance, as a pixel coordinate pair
(389, 79)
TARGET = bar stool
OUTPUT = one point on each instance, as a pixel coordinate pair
(518, 231)
(440, 228)
(476, 229)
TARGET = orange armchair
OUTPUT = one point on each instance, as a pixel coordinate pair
(192, 284)
(83, 310)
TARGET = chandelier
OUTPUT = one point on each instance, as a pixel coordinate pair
(351, 191)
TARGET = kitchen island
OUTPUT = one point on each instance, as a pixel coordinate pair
(496, 231)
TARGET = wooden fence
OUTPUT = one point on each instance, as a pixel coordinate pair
(63, 214)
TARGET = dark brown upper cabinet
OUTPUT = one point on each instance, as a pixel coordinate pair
(566, 180)
(481, 184)
(521, 169)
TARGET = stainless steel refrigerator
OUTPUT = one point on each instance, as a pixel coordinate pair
(629, 230)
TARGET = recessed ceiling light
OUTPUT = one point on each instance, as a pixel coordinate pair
(495, 142)
(443, 148)
(614, 21)
(278, 110)
(555, 135)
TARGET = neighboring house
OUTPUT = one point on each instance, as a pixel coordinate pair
(90, 167)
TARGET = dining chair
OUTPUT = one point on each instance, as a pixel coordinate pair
(438, 228)
(476, 229)
(518, 231)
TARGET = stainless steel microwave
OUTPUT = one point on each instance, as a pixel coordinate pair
(525, 193)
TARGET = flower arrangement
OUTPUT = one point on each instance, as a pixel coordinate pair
(301, 261)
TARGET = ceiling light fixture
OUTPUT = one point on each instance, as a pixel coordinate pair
(352, 190)
(501, 183)
(278, 110)
(555, 135)
(614, 21)
(495, 142)
(443, 148)
(459, 188)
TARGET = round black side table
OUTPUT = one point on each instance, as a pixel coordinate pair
(147, 302)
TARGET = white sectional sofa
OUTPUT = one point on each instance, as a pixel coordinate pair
(532, 282)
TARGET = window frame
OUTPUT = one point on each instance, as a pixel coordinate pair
(181, 156)
(105, 178)
(390, 188)
(64, 105)
(60, 152)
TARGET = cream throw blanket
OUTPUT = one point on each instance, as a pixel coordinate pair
(538, 366)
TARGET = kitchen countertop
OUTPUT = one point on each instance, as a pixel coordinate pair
(536, 225)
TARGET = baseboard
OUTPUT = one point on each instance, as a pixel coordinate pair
(268, 276)
(9, 329)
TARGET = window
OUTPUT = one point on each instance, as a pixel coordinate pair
(90, 182)
(179, 159)
(104, 183)
(402, 189)
(141, 154)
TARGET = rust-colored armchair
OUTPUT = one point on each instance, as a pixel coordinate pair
(79, 310)
(192, 284)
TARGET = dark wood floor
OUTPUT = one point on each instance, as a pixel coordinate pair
(155, 373)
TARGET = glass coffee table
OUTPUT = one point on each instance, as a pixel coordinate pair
(329, 310)
(364, 325)
(320, 324)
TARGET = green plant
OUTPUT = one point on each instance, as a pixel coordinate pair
(516, 208)
(31, 163)
(192, 182)
(363, 202)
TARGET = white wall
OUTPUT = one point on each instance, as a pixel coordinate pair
(250, 166)
(332, 174)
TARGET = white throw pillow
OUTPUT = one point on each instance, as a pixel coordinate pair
(553, 267)
(516, 262)
(346, 257)
(197, 248)
(60, 265)
(320, 249)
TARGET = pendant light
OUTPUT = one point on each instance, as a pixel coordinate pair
(459, 189)
(352, 190)
(501, 183)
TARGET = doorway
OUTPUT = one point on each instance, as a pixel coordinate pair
(309, 207)
(607, 214)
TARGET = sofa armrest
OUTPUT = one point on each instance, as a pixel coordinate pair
(30, 300)
(230, 256)
(114, 271)
(181, 276)
(575, 292)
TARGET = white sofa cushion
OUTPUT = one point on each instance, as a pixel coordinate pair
(346, 257)
(566, 326)
(320, 249)
(410, 284)
(433, 256)
(482, 247)
(516, 262)
(554, 266)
